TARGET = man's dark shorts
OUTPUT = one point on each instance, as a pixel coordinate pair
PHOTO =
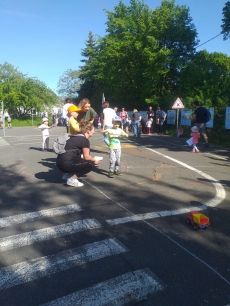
(201, 127)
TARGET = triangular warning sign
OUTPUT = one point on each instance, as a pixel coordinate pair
(178, 104)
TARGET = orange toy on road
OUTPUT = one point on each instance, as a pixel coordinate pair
(197, 220)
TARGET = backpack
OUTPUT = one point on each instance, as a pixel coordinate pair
(207, 116)
(60, 142)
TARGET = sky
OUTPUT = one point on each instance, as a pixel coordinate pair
(44, 38)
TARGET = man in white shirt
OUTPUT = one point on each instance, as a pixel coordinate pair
(108, 114)
(68, 102)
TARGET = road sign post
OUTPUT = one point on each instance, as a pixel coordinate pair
(177, 105)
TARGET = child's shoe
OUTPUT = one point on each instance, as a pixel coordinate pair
(117, 172)
(197, 151)
(193, 150)
(110, 174)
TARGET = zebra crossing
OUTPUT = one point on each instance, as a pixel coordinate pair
(120, 290)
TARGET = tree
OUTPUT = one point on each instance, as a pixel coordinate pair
(226, 21)
(143, 52)
(69, 84)
(206, 78)
(22, 94)
(87, 88)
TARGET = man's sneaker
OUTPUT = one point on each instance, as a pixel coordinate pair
(110, 174)
(74, 182)
(65, 176)
(206, 145)
(117, 172)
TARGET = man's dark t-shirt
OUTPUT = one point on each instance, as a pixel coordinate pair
(150, 114)
(200, 113)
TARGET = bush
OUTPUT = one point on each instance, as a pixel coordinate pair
(27, 121)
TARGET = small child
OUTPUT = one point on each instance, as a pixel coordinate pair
(73, 125)
(195, 136)
(149, 125)
(115, 146)
(45, 134)
(127, 123)
(99, 122)
(9, 122)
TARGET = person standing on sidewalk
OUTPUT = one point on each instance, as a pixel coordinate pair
(9, 122)
(123, 115)
(151, 115)
(136, 122)
(160, 119)
(199, 117)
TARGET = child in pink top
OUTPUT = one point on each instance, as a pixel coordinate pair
(195, 136)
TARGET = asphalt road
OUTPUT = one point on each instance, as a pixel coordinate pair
(115, 241)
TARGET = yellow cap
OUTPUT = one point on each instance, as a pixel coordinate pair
(73, 108)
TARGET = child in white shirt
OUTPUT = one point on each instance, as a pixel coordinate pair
(114, 146)
(149, 125)
(45, 134)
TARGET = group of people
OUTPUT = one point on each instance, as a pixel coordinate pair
(199, 117)
(77, 161)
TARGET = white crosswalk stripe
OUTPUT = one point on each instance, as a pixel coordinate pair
(38, 215)
(152, 215)
(130, 287)
(3, 142)
(48, 233)
(27, 271)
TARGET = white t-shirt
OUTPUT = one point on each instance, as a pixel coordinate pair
(65, 110)
(149, 123)
(45, 129)
(109, 114)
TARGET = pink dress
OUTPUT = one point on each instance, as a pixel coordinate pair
(195, 137)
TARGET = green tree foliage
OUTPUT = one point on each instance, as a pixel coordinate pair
(87, 88)
(22, 94)
(206, 78)
(141, 55)
(69, 84)
(226, 21)
(149, 56)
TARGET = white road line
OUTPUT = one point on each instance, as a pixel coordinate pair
(48, 233)
(3, 142)
(38, 215)
(219, 197)
(40, 267)
(220, 192)
(152, 215)
(130, 287)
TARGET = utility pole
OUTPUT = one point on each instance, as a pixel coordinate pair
(3, 119)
